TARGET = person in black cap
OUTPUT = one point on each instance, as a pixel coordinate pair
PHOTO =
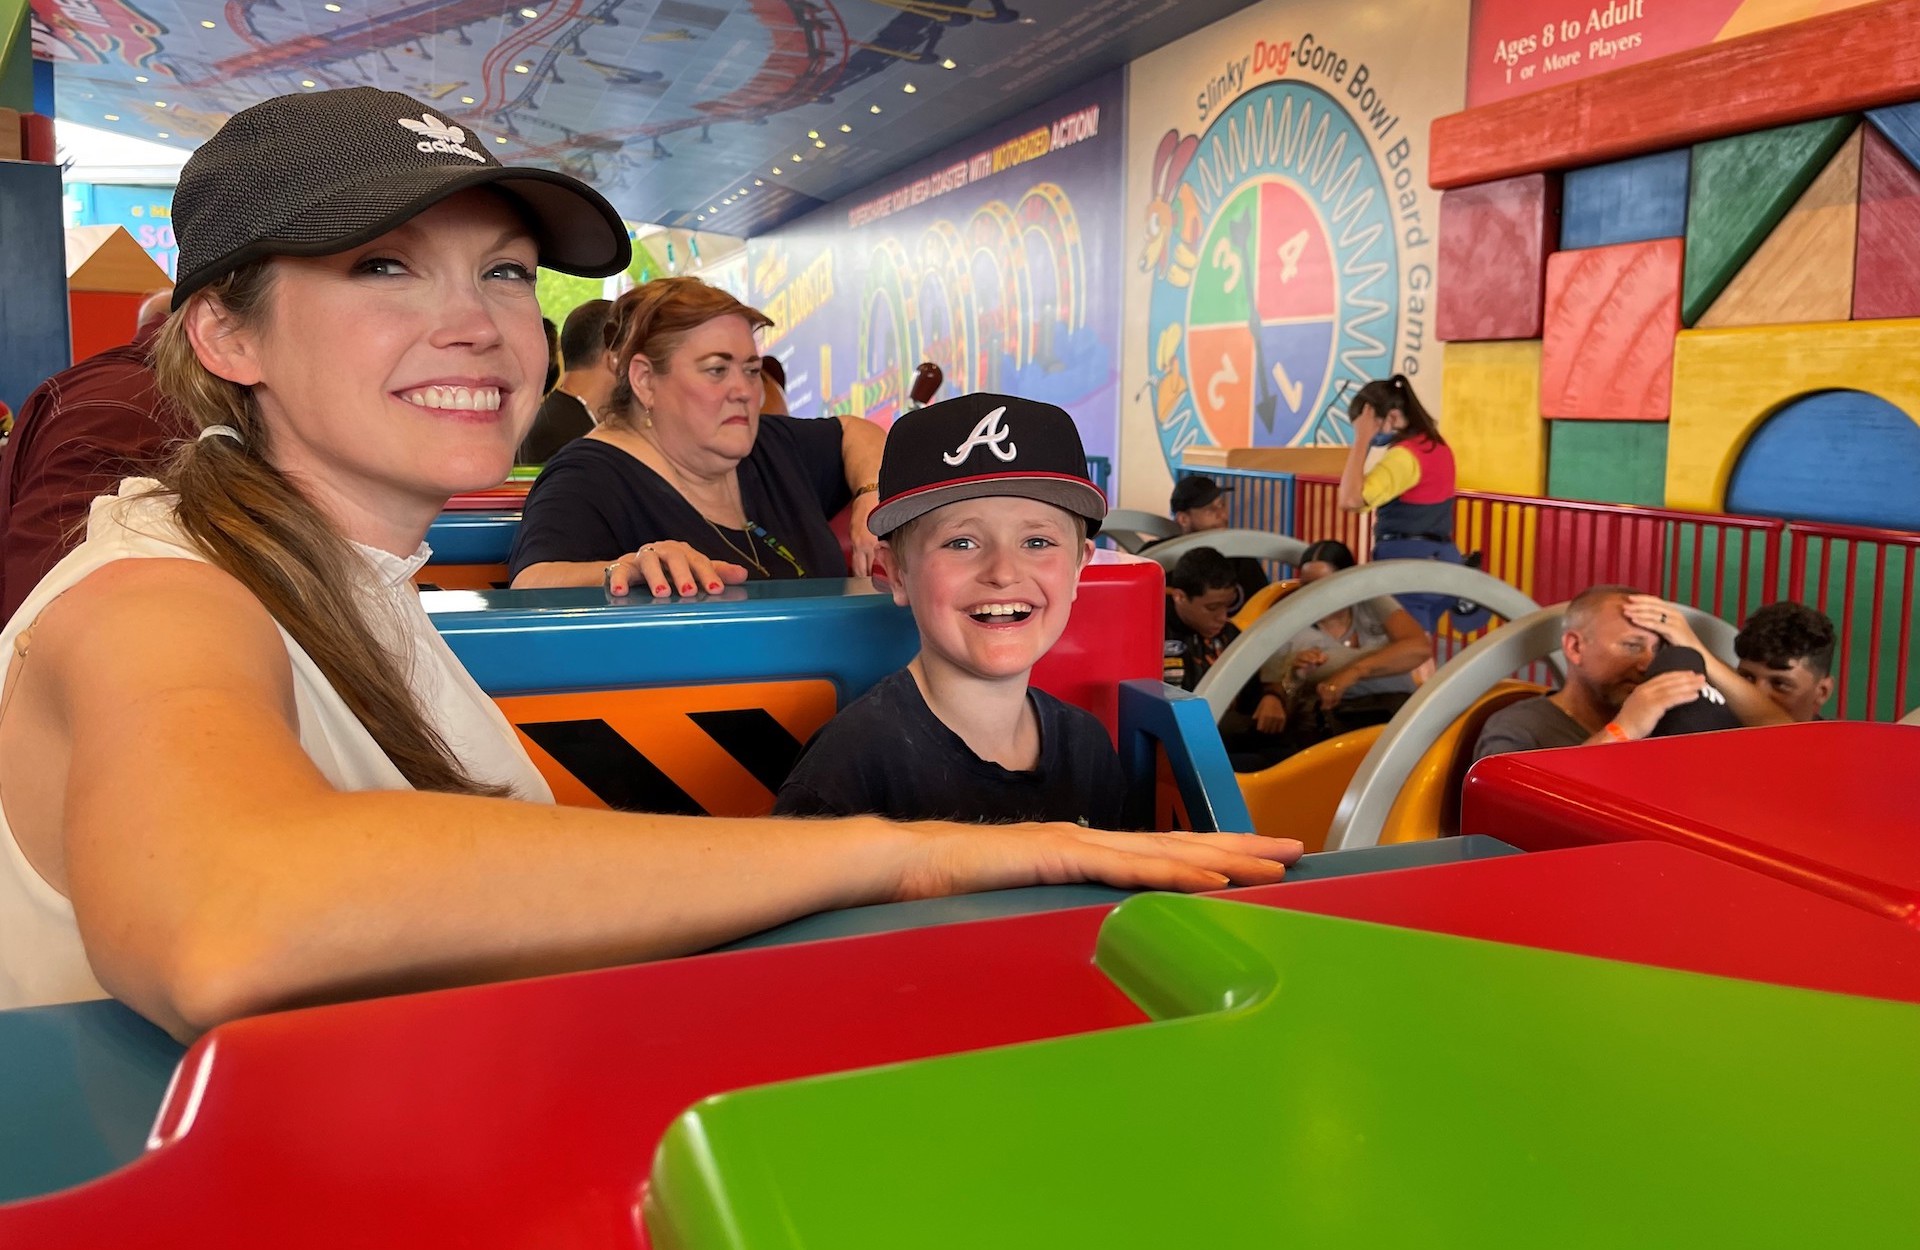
(984, 515)
(240, 768)
(1198, 504)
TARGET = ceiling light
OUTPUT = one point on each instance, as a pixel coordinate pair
(165, 135)
(813, 134)
(908, 87)
(701, 217)
(499, 139)
(113, 117)
(758, 183)
(159, 104)
(845, 129)
(796, 156)
(139, 78)
(523, 69)
(306, 82)
(948, 64)
(333, 8)
(529, 13)
(466, 99)
(873, 108)
(743, 190)
(776, 170)
(819, 143)
(208, 25)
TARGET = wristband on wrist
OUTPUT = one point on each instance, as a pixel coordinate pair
(1614, 731)
(869, 488)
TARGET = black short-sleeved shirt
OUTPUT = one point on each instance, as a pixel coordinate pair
(887, 754)
(562, 419)
(595, 502)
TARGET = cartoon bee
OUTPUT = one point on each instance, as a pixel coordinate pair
(1173, 220)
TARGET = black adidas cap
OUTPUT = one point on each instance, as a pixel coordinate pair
(323, 171)
(979, 445)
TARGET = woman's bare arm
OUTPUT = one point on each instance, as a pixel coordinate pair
(861, 442)
(215, 873)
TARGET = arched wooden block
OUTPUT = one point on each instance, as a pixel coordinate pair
(1803, 271)
(1612, 313)
(1726, 382)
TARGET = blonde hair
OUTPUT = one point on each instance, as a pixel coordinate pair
(251, 521)
(653, 319)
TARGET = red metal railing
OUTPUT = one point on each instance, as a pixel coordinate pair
(1863, 580)
(1317, 515)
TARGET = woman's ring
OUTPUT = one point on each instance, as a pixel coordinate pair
(606, 577)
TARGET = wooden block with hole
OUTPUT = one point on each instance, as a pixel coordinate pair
(1490, 413)
(1494, 241)
(1612, 313)
(1803, 271)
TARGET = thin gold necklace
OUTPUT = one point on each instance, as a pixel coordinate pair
(722, 536)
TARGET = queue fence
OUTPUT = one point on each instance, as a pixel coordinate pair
(1863, 581)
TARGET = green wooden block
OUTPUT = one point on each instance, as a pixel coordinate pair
(1741, 188)
(1608, 461)
(1311, 1081)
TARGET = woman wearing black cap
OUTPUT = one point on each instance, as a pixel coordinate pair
(238, 768)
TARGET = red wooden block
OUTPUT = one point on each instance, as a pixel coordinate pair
(1857, 58)
(1494, 241)
(1886, 276)
(1827, 806)
(1612, 313)
(527, 1114)
(1116, 633)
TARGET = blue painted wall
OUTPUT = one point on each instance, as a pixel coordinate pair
(1840, 456)
(1625, 201)
(33, 295)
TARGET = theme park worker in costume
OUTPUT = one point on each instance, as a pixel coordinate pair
(689, 483)
(1410, 491)
(239, 768)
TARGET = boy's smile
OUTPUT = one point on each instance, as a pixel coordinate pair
(991, 582)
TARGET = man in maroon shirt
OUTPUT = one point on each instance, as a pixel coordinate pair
(77, 435)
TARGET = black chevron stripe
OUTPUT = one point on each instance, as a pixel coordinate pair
(611, 767)
(755, 739)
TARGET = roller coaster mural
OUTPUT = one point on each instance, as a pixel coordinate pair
(977, 260)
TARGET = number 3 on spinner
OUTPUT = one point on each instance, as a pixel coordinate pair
(1228, 261)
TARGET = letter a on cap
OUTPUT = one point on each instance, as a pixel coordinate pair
(988, 433)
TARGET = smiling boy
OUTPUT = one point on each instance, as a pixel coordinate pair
(985, 511)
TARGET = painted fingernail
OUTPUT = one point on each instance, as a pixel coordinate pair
(686, 588)
(713, 588)
(660, 589)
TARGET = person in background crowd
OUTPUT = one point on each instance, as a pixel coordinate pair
(1199, 504)
(1786, 650)
(239, 768)
(553, 355)
(78, 434)
(573, 405)
(685, 486)
(1351, 669)
(1750, 702)
(1410, 491)
(1201, 588)
(1605, 698)
(773, 387)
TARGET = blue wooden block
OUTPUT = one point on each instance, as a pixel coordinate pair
(1626, 201)
(1900, 123)
(1840, 456)
(34, 343)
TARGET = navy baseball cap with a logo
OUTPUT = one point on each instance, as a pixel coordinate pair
(981, 445)
(318, 172)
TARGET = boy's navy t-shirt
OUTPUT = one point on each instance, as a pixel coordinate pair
(887, 754)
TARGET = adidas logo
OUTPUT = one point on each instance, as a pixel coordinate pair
(437, 136)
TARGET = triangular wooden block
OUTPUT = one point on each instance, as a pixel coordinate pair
(1886, 276)
(1741, 188)
(106, 258)
(1804, 270)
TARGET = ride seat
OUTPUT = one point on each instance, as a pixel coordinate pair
(1264, 598)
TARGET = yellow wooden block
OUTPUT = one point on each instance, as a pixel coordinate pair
(1804, 270)
(1726, 382)
(1490, 414)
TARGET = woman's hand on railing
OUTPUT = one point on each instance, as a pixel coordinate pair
(666, 567)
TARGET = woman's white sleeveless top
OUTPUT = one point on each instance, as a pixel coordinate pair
(41, 958)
